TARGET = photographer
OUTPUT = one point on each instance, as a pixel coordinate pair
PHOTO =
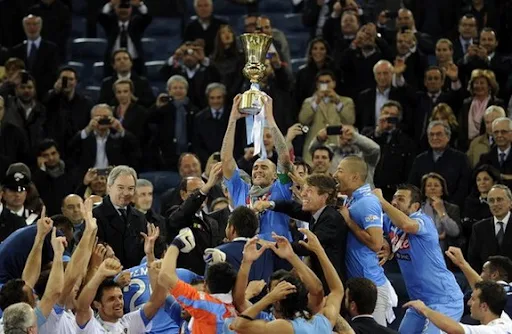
(68, 109)
(104, 142)
(190, 62)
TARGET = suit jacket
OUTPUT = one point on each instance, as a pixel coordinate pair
(492, 158)
(142, 90)
(136, 27)
(13, 146)
(366, 105)
(209, 133)
(221, 216)
(483, 243)
(463, 120)
(172, 197)
(194, 30)
(33, 127)
(135, 121)
(45, 66)
(331, 230)
(204, 228)
(119, 150)
(453, 165)
(367, 325)
(9, 223)
(122, 235)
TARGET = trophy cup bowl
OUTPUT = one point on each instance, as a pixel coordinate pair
(255, 48)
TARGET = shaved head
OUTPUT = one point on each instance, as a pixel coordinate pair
(356, 165)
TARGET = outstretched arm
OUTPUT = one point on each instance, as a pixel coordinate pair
(456, 256)
(228, 144)
(32, 268)
(283, 153)
(399, 219)
(440, 320)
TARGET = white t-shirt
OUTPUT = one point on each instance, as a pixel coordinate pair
(131, 323)
(59, 322)
(498, 326)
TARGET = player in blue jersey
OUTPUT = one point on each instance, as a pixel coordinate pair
(363, 215)
(268, 182)
(415, 244)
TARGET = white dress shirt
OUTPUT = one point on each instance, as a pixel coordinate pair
(504, 221)
(30, 43)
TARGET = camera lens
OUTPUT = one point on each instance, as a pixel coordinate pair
(190, 51)
(305, 129)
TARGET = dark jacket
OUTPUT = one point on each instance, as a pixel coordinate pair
(9, 223)
(365, 105)
(209, 133)
(135, 121)
(172, 197)
(368, 325)
(13, 146)
(53, 190)
(33, 127)
(142, 90)
(483, 243)
(331, 231)
(205, 230)
(194, 30)
(474, 211)
(123, 236)
(453, 165)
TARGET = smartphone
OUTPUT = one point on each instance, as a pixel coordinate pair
(25, 77)
(64, 82)
(216, 157)
(165, 98)
(103, 171)
(334, 130)
(104, 121)
(392, 120)
(324, 86)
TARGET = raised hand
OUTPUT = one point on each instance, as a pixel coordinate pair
(452, 72)
(124, 279)
(254, 288)
(235, 112)
(59, 244)
(98, 255)
(251, 252)
(215, 173)
(150, 238)
(345, 213)
(281, 247)
(312, 244)
(378, 192)
(418, 305)
(109, 268)
(86, 209)
(282, 290)
(260, 206)
(384, 253)
(44, 224)
(456, 256)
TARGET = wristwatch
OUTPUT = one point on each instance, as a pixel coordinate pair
(272, 205)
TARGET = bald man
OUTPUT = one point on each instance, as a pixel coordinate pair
(363, 215)
(71, 209)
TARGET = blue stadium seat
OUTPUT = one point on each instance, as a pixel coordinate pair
(275, 6)
(166, 47)
(164, 27)
(297, 63)
(93, 92)
(292, 23)
(225, 7)
(79, 7)
(78, 67)
(88, 50)
(162, 181)
(150, 47)
(152, 70)
(298, 44)
(97, 73)
(78, 26)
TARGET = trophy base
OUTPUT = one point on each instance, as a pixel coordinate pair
(251, 103)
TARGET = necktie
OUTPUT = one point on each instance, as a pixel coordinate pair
(123, 40)
(312, 222)
(217, 114)
(502, 158)
(466, 46)
(500, 234)
(32, 56)
(123, 213)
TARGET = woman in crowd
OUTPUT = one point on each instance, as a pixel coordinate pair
(317, 59)
(445, 215)
(475, 206)
(444, 58)
(483, 88)
(131, 115)
(228, 60)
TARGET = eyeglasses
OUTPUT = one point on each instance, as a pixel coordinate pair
(436, 134)
(501, 132)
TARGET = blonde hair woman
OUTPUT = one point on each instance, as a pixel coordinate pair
(443, 112)
(483, 88)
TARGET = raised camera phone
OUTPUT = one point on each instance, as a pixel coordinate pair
(324, 86)
(64, 82)
(104, 121)
(103, 171)
(216, 157)
(25, 77)
(334, 130)
(165, 98)
(392, 120)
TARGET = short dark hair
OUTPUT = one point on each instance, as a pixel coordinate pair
(501, 264)
(299, 162)
(182, 155)
(107, 284)
(184, 182)
(325, 72)
(67, 68)
(492, 171)
(244, 221)
(297, 302)
(278, 275)
(438, 177)
(363, 293)
(493, 295)
(416, 196)
(434, 68)
(325, 148)
(46, 144)
(122, 50)
(12, 293)
(325, 184)
(220, 278)
(393, 103)
(61, 221)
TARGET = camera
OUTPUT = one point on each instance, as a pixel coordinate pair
(103, 171)
(334, 130)
(104, 121)
(216, 157)
(25, 77)
(165, 98)
(392, 120)
(190, 51)
(304, 128)
(324, 86)
(64, 82)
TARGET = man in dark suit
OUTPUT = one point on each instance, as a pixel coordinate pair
(13, 144)
(40, 56)
(211, 123)
(204, 26)
(122, 63)
(451, 164)
(318, 200)
(467, 36)
(70, 110)
(119, 223)
(360, 301)
(26, 112)
(370, 101)
(492, 236)
(103, 143)
(124, 30)
(190, 214)
(499, 156)
(415, 61)
(143, 200)
(9, 222)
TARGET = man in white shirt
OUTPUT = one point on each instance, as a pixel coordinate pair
(487, 303)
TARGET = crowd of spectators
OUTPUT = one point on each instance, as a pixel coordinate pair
(143, 205)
